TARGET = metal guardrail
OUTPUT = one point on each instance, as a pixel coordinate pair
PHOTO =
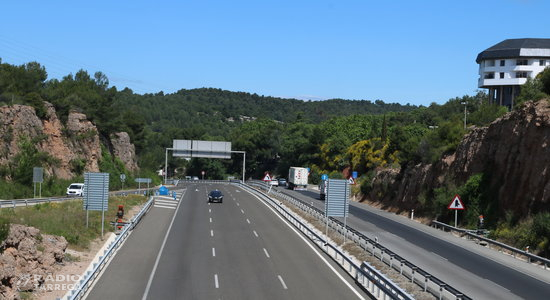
(515, 251)
(369, 278)
(417, 275)
(33, 201)
(84, 284)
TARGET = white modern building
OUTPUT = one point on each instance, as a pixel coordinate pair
(504, 67)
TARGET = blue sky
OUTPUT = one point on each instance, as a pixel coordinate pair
(414, 52)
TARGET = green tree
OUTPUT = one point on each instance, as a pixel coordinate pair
(261, 141)
(367, 155)
(28, 157)
(544, 78)
(530, 91)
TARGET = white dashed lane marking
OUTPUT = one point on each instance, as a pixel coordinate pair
(283, 282)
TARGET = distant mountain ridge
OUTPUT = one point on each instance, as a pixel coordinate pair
(236, 104)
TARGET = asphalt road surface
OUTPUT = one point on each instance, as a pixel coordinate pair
(478, 272)
(238, 249)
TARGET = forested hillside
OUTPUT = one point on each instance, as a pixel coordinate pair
(326, 136)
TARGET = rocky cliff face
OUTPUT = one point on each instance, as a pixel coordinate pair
(514, 150)
(124, 150)
(27, 258)
(77, 141)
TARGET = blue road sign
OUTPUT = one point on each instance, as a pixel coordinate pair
(324, 177)
(354, 174)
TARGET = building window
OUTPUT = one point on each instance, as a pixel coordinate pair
(521, 74)
(522, 62)
(489, 75)
(502, 62)
(501, 75)
(542, 62)
(490, 63)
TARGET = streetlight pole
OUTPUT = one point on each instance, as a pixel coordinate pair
(464, 114)
(244, 160)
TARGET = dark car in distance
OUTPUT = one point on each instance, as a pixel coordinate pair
(215, 196)
(282, 182)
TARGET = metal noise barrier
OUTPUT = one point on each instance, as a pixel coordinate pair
(417, 275)
(369, 278)
(515, 251)
(89, 278)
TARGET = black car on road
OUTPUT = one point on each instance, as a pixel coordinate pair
(215, 196)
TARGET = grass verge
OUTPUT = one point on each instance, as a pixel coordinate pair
(68, 219)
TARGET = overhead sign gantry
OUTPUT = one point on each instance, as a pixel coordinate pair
(205, 149)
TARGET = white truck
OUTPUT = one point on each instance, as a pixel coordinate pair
(297, 178)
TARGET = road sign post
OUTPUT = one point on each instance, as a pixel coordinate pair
(96, 195)
(142, 180)
(38, 177)
(122, 179)
(337, 202)
(456, 205)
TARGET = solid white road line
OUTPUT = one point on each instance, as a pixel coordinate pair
(150, 281)
(266, 254)
(216, 281)
(255, 233)
(283, 282)
(166, 202)
(164, 198)
(312, 248)
(161, 206)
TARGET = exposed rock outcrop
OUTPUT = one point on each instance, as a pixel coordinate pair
(124, 150)
(82, 142)
(76, 143)
(514, 150)
(27, 258)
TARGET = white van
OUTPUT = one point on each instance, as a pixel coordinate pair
(75, 189)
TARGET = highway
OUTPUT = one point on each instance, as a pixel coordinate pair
(238, 249)
(479, 272)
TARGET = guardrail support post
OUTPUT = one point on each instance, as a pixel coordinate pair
(426, 278)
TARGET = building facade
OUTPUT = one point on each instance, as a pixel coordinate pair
(505, 67)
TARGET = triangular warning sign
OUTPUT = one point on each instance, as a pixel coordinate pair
(456, 203)
(351, 180)
(267, 177)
